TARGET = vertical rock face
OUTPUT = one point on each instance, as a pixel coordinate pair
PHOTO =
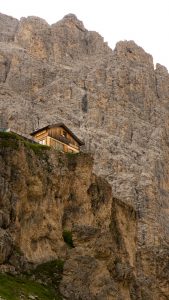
(118, 104)
(44, 194)
(8, 27)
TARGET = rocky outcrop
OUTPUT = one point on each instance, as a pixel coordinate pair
(118, 103)
(44, 194)
(8, 27)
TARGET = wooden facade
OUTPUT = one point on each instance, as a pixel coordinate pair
(59, 137)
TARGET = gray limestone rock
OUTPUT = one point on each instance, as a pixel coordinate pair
(119, 104)
(8, 28)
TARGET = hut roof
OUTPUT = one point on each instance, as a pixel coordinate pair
(59, 125)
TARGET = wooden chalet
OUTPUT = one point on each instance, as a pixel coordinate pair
(58, 136)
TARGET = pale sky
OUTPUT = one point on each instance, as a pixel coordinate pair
(144, 21)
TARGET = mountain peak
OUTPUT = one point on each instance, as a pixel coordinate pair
(71, 19)
(70, 16)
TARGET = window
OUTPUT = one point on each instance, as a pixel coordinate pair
(43, 142)
(64, 133)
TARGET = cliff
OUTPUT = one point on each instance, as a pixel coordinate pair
(118, 103)
(47, 196)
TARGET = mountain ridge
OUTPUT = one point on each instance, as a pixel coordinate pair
(113, 99)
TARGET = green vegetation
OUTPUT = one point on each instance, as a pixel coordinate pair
(67, 236)
(71, 154)
(10, 139)
(49, 271)
(41, 283)
(49, 267)
(8, 135)
(37, 148)
(12, 288)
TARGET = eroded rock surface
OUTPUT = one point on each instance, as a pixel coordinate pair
(118, 104)
(44, 193)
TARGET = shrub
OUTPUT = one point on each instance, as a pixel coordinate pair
(67, 236)
(8, 139)
(37, 148)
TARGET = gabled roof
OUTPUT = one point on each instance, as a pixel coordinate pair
(59, 125)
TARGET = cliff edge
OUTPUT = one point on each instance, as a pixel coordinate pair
(54, 207)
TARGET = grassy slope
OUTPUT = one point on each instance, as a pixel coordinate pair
(12, 288)
(26, 285)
